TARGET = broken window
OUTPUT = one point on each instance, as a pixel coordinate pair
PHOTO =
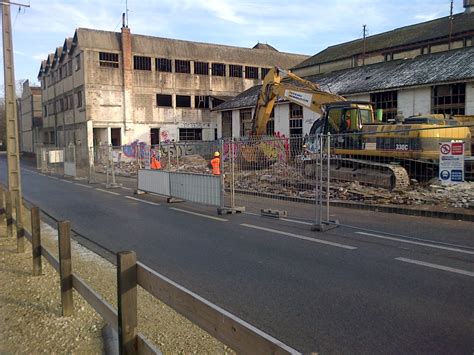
(71, 102)
(163, 65)
(296, 111)
(201, 68)
(163, 100)
(264, 72)
(183, 101)
(66, 103)
(190, 134)
(109, 60)
(69, 67)
(182, 66)
(245, 122)
(386, 101)
(235, 71)
(251, 72)
(141, 63)
(154, 136)
(201, 101)
(116, 137)
(79, 99)
(449, 99)
(218, 69)
(226, 124)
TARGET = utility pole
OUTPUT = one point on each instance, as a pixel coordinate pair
(364, 27)
(13, 154)
(450, 25)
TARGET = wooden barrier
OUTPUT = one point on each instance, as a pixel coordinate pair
(127, 301)
(65, 267)
(224, 326)
(36, 241)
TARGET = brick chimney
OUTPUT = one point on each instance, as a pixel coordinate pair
(127, 72)
(469, 6)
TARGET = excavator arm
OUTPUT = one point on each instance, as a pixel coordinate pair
(309, 95)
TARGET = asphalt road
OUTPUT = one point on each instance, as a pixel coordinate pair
(343, 291)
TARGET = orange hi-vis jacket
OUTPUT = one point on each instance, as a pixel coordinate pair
(216, 166)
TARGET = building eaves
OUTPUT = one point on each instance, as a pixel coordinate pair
(417, 33)
(167, 47)
(248, 98)
(433, 69)
(451, 66)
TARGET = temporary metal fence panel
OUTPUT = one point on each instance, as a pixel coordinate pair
(70, 160)
(270, 172)
(154, 181)
(200, 188)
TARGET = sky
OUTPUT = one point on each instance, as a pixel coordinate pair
(294, 26)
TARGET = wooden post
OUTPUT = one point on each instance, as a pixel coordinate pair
(65, 267)
(20, 230)
(127, 301)
(9, 213)
(36, 240)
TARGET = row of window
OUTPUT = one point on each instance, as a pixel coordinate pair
(184, 101)
(111, 60)
(63, 104)
(445, 99)
(62, 72)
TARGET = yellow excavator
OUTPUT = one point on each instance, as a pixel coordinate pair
(367, 150)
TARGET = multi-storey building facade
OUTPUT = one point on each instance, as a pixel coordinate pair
(30, 118)
(115, 88)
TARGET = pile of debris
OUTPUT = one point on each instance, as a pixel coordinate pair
(289, 182)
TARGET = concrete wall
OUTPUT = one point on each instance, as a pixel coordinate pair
(29, 107)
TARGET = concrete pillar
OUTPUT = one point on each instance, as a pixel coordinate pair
(127, 72)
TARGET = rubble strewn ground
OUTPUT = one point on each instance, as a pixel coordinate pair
(30, 308)
(286, 180)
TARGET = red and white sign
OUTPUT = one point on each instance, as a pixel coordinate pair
(451, 162)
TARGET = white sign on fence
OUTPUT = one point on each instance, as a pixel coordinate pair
(451, 162)
(56, 156)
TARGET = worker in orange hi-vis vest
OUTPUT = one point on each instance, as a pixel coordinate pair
(155, 163)
(216, 164)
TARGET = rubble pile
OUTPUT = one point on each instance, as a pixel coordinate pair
(191, 164)
(287, 181)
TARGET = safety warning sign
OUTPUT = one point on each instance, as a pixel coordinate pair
(451, 162)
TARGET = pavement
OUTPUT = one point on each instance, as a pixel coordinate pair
(394, 284)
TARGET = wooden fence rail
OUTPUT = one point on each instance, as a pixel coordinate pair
(224, 326)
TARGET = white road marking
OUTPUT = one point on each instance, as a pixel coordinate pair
(418, 243)
(69, 182)
(295, 221)
(297, 236)
(53, 177)
(89, 187)
(144, 201)
(126, 188)
(199, 214)
(436, 266)
(109, 192)
(42, 174)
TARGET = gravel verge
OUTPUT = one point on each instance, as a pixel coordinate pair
(30, 308)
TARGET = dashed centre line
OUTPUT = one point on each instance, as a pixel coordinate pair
(417, 243)
(87, 186)
(199, 214)
(109, 192)
(436, 266)
(144, 201)
(302, 237)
